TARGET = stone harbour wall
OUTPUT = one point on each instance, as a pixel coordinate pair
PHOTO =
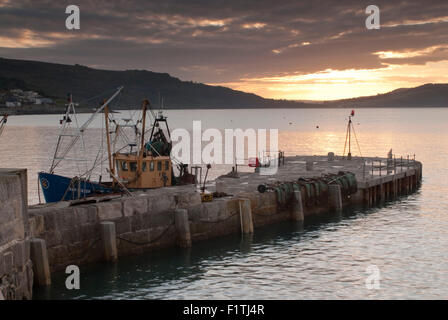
(106, 229)
(16, 274)
(142, 223)
(147, 220)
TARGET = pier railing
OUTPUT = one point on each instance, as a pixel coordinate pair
(392, 165)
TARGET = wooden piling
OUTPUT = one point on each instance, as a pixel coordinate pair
(297, 207)
(109, 239)
(382, 188)
(374, 197)
(41, 267)
(182, 228)
(407, 184)
(335, 197)
(247, 225)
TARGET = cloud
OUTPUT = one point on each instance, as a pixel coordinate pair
(226, 41)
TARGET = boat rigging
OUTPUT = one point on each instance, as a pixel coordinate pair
(143, 163)
(3, 121)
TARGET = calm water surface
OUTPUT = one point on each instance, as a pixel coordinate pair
(326, 258)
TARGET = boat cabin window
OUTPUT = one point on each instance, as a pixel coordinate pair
(167, 165)
(151, 166)
(124, 166)
(133, 166)
(144, 166)
(159, 165)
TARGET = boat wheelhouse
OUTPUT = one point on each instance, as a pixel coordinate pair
(150, 166)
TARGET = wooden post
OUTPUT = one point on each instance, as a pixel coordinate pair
(335, 197)
(373, 195)
(109, 239)
(246, 216)
(382, 192)
(39, 257)
(366, 197)
(182, 228)
(390, 191)
(297, 208)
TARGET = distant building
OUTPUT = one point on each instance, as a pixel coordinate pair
(30, 96)
(12, 104)
(18, 97)
(43, 101)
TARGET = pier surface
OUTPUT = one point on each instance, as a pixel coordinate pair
(177, 216)
(369, 172)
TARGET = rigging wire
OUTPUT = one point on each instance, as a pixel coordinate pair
(57, 160)
(357, 141)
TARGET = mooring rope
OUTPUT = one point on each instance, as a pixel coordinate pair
(147, 242)
(263, 215)
(215, 221)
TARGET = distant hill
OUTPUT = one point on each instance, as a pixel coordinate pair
(428, 95)
(56, 80)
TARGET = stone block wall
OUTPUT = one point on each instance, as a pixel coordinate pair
(16, 275)
(143, 222)
(146, 221)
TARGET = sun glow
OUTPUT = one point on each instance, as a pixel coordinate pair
(340, 84)
(409, 53)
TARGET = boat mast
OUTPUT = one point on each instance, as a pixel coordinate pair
(109, 155)
(142, 145)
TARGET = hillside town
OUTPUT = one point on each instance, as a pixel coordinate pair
(18, 98)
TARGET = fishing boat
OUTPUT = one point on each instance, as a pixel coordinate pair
(138, 165)
(3, 121)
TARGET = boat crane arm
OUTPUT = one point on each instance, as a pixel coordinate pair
(87, 123)
(57, 160)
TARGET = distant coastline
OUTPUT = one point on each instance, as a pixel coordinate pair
(84, 83)
(42, 110)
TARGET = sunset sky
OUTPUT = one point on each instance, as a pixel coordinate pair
(303, 50)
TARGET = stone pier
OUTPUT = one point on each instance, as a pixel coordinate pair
(16, 273)
(117, 226)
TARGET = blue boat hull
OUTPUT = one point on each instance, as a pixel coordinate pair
(57, 188)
